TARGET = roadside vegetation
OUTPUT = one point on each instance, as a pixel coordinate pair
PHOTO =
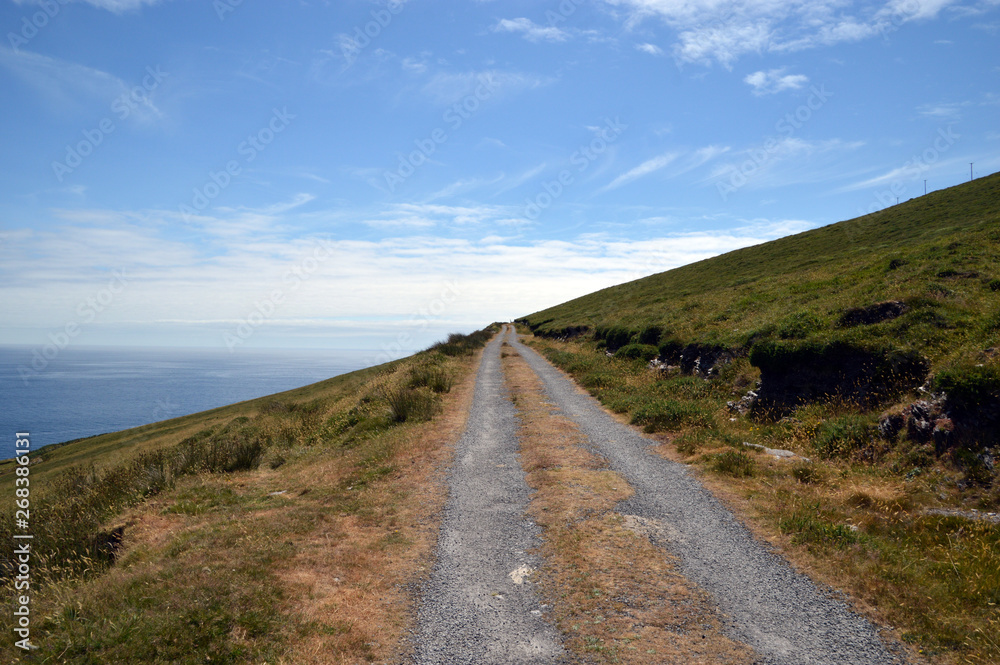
(291, 528)
(871, 350)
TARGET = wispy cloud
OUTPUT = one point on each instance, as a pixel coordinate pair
(651, 49)
(172, 283)
(644, 169)
(449, 87)
(530, 30)
(774, 81)
(115, 6)
(725, 30)
(943, 111)
(71, 86)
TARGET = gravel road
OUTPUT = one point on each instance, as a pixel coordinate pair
(477, 606)
(779, 613)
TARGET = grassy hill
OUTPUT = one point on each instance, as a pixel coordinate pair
(939, 254)
(871, 350)
(280, 529)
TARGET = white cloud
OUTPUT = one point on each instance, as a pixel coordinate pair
(71, 86)
(779, 162)
(723, 31)
(449, 87)
(644, 169)
(367, 290)
(651, 49)
(774, 80)
(944, 111)
(115, 6)
(531, 30)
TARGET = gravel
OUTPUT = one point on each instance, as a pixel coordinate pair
(779, 613)
(479, 605)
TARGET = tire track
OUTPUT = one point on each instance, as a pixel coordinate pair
(479, 605)
(779, 613)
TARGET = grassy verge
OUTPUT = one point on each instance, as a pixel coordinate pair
(615, 596)
(862, 515)
(293, 532)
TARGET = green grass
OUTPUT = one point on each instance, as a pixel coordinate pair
(939, 254)
(211, 592)
(832, 328)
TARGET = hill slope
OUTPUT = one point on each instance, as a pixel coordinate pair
(841, 389)
(938, 254)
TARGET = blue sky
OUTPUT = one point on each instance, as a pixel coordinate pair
(374, 175)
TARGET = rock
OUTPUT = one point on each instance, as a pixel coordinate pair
(744, 404)
(890, 424)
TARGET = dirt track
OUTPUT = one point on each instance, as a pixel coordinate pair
(473, 611)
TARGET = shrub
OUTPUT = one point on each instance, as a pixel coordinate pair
(733, 463)
(644, 352)
(409, 404)
(617, 337)
(650, 335)
(657, 415)
(841, 436)
(458, 344)
(969, 388)
(438, 379)
(691, 441)
(994, 285)
(973, 401)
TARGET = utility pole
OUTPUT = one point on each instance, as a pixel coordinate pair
(925, 186)
(970, 171)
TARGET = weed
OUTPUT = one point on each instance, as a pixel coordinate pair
(733, 463)
(843, 435)
(643, 352)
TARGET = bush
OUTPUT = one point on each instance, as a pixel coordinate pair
(841, 436)
(458, 344)
(644, 352)
(969, 389)
(438, 379)
(973, 402)
(658, 415)
(614, 337)
(733, 463)
(650, 335)
(409, 404)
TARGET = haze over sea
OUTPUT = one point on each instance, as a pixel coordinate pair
(85, 391)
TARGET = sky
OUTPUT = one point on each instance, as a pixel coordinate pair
(356, 174)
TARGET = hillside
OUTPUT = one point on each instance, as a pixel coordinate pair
(841, 389)
(938, 254)
(280, 529)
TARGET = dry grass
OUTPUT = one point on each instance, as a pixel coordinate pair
(856, 525)
(314, 561)
(352, 577)
(616, 597)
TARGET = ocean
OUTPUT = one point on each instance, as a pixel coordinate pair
(93, 390)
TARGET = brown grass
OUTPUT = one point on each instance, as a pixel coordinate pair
(352, 576)
(858, 527)
(313, 562)
(615, 596)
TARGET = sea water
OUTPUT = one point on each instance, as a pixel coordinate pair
(87, 391)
